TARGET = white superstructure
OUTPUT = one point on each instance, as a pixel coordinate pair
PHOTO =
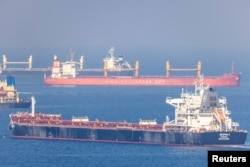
(201, 110)
(72, 69)
(66, 69)
(112, 63)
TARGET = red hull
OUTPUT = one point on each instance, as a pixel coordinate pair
(225, 80)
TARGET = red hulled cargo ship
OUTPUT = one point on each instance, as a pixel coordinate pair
(117, 72)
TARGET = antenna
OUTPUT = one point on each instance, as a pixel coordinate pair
(71, 54)
(232, 68)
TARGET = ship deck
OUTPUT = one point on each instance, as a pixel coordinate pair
(56, 121)
(51, 120)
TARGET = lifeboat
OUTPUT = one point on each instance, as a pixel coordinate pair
(3, 93)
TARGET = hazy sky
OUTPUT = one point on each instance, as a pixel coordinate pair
(170, 24)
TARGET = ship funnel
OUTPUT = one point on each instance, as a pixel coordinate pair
(33, 102)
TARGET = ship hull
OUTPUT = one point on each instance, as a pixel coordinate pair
(23, 104)
(128, 135)
(225, 80)
(24, 72)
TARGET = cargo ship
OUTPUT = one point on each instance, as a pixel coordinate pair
(201, 118)
(115, 73)
(16, 68)
(9, 97)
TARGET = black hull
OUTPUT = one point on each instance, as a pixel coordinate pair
(24, 72)
(129, 135)
(23, 104)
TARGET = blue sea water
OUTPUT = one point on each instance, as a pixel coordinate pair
(109, 104)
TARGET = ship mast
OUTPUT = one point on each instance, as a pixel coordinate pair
(232, 68)
(71, 55)
(111, 52)
(33, 102)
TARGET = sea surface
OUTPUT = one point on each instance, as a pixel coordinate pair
(110, 104)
